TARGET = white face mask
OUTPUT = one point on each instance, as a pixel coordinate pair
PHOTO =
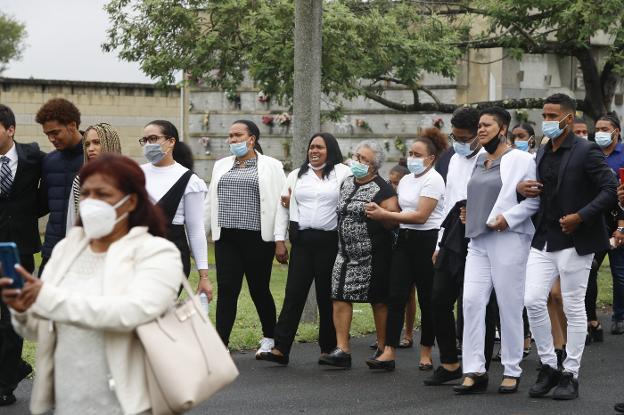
(99, 218)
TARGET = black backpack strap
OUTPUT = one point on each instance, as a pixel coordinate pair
(171, 200)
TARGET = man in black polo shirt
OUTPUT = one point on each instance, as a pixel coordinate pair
(576, 187)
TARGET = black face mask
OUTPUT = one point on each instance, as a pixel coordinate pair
(492, 145)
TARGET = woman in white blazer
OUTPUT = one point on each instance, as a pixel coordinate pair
(112, 273)
(500, 232)
(310, 222)
(243, 197)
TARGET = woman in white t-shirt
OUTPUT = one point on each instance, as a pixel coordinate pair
(421, 195)
(180, 194)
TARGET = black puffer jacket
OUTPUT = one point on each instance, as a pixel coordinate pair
(58, 171)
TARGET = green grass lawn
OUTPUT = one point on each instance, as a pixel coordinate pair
(247, 329)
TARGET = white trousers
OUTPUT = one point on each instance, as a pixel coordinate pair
(495, 260)
(573, 270)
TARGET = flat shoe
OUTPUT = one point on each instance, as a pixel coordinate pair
(275, 358)
(387, 365)
(425, 366)
(480, 384)
(406, 343)
(509, 389)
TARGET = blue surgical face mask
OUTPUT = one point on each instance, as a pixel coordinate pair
(416, 165)
(358, 169)
(522, 145)
(153, 153)
(603, 139)
(239, 149)
(463, 149)
(551, 128)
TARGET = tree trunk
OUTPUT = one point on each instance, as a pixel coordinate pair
(307, 94)
(594, 99)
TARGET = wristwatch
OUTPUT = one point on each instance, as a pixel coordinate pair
(620, 229)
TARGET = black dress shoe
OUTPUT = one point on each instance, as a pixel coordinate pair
(376, 354)
(7, 399)
(336, 358)
(275, 358)
(509, 389)
(387, 365)
(479, 386)
(567, 388)
(440, 376)
(619, 407)
(373, 345)
(547, 379)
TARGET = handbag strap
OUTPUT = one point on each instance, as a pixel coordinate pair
(194, 298)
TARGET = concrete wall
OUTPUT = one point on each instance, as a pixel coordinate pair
(127, 107)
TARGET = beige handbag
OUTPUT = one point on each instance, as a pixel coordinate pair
(186, 362)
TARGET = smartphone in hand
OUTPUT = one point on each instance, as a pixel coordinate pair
(9, 257)
(621, 171)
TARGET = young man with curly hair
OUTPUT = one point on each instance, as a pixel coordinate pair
(60, 120)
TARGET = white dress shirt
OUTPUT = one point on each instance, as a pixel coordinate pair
(317, 200)
(12, 155)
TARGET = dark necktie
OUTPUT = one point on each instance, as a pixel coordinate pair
(6, 178)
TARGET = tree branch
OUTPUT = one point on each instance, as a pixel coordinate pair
(519, 103)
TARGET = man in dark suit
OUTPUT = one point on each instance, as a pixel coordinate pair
(577, 188)
(20, 174)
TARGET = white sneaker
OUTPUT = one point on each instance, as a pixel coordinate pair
(266, 345)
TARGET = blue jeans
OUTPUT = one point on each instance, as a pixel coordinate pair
(616, 261)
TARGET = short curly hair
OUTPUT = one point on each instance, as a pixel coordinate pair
(58, 109)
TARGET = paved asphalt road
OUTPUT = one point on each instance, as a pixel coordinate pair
(306, 388)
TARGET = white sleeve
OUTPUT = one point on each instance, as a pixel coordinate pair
(282, 215)
(195, 230)
(152, 290)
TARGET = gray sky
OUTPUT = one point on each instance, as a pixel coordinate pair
(63, 42)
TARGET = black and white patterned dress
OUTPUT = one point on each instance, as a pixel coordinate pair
(362, 265)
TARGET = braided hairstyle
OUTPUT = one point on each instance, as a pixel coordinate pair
(109, 138)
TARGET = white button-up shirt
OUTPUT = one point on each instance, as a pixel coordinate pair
(317, 200)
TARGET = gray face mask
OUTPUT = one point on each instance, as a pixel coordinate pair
(153, 152)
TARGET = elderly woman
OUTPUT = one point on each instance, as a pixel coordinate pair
(98, 139)
(311, 221)
(360, 273)
(110, 274)
(240, 210)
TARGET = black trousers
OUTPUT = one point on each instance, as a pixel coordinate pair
(448, 289)
(10, 342)
(312, 258)
(239, 252)
(411, 265)
(591, 296)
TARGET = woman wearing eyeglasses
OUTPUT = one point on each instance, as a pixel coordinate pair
(180, 194)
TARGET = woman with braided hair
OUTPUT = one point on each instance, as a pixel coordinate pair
(98, 139)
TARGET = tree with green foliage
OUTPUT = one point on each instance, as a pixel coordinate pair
(218, 42)
(11, 41)
(561, 27)
(367, 46)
